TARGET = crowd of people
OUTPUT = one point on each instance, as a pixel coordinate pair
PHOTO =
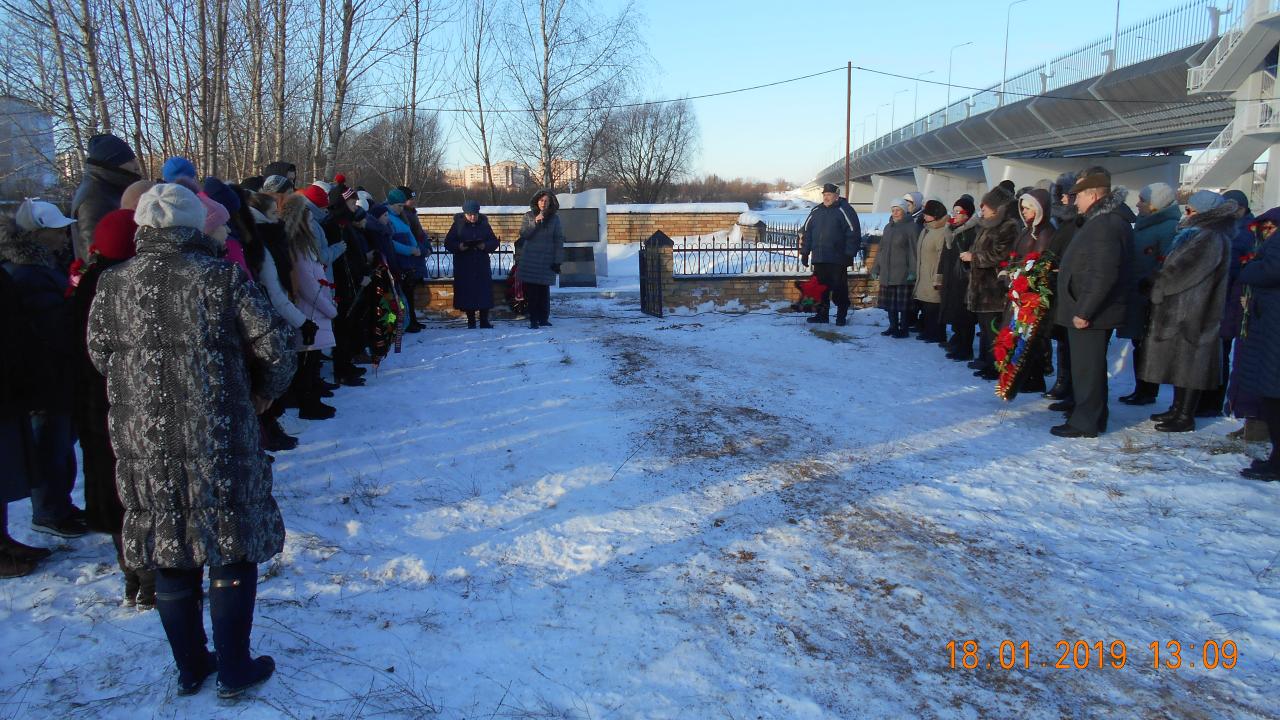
(167, 325)
(1194, 288)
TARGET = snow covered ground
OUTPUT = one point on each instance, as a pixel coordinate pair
(709, 516)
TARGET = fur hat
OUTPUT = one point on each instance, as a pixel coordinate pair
(176, 167)
(129, 200)
(1158, 195)
(966, 203)
(998, 197)
(108, 150)
(252, 183)
(113, 236)
(1009, 186)
(935, 210)
(170, 205)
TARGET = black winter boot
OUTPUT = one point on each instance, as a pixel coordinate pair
(1144, 393)
(1173, 409)
(1184, 417)
(471, 319)
(842, 316)
(822, 317)
(484, 320)
(233, 589)
(182, 615)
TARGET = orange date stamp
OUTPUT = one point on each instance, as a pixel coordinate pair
(1097, 655)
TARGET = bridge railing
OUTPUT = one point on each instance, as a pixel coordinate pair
(1191, 23)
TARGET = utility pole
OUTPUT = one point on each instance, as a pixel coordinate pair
(848, 128)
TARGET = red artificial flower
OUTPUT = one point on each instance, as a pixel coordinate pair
(1247, 257)
(1033, 256)
(1020, 285)
(1004, 263)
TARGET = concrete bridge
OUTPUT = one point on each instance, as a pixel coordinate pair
(1195, 78)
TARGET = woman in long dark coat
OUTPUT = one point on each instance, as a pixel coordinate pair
(471, 239)
(1256, 370)
(955, 281)
(112, 244)
(1181, 346)
(541, 253)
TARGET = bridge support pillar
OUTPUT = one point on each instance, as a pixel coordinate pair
(1129, 171)
(887, 188)
(947, 185)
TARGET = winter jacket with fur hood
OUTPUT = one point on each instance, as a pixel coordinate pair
(1094, 276)
(1182, 347)
(186, 341)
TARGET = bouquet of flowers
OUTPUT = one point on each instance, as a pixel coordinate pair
(1030, 300)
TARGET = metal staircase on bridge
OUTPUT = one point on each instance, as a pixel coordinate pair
(1235, 65)
(1240, 51)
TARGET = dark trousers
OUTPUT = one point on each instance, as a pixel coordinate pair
(409, 286)
(539, 299)
(53, 466)
(1089, 378)
(1064, 356)
(835, 277)
(987, 322)
(962, 340)
(1271, 415)
(1142, 387)
(305, 387)
(931, 327)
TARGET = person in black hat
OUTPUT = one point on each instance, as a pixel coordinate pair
(830, 236)
(109, 167)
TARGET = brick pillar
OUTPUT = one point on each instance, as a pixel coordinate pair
(661, 268)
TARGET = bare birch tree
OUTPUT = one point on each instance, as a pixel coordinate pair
(649, 147)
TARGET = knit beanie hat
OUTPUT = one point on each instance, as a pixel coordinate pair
(129, 199)
(222, 194)
(276, 184)
(471, 206)
(113, 236)
(1242, 200)
(1204, 200)
(317, 195)
(935, 210)
(1158, 195)
(170, 205)
(900, 203)
(108, 150)
(176, 167)
(378, 210)
(215, 214)
(965, 202)
(396, 196)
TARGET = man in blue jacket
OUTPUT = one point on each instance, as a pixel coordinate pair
(831, 235)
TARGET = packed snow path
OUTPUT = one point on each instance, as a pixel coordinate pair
(710, 516)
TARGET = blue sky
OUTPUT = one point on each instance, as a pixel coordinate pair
(794, 130)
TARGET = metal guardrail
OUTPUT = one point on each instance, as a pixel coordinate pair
(1259, 115)
(439, 263)
(1183, 26)
(1199, 75)
(775, 252)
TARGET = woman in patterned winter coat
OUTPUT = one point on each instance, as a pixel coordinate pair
(190, 348)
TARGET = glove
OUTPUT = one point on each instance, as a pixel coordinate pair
(309, 330)
(804, 259)
(555, 268)
(911, 277)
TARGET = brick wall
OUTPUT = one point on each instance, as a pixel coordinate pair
(637, 227)
(436, 297)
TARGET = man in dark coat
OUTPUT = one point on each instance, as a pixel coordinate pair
(109, 167)
(831, 236)
(1092, 296)
(1182, 345)
(28, 246)
(192, 350)
(471, 239)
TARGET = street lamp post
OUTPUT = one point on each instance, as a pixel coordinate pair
(950, 59)
(885, 105)
(1004, 73)
(915, 104)
(866, 140)
(893, 109)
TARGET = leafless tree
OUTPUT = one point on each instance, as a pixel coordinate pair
(475, 76)
(649, 147)
(556, 54)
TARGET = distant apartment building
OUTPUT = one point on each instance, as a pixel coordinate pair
(511, 175)
(563, 172)
(27, 153)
